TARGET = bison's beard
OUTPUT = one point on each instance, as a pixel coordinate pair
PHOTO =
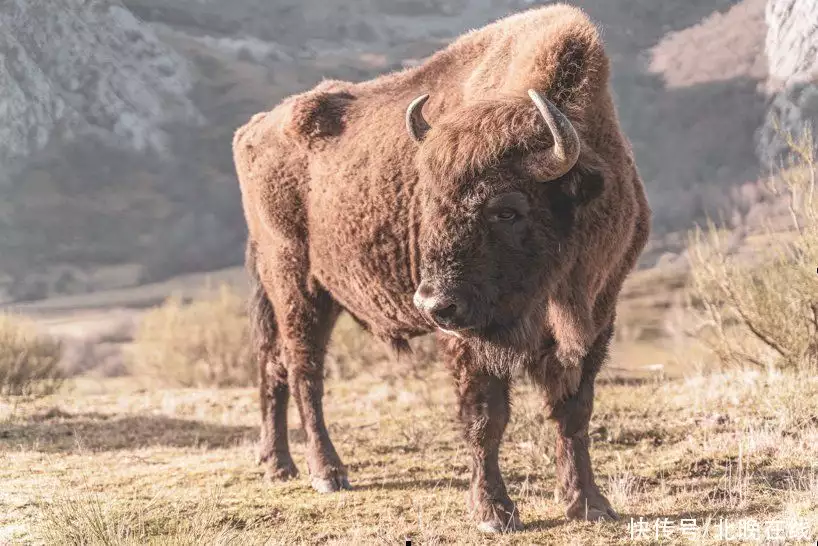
(506, 348)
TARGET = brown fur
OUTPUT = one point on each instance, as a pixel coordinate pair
(346, 212)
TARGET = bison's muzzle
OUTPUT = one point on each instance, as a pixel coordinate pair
(449, 310)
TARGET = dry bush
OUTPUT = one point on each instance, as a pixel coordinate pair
(207, 343)
(353, 350)
(203, 343)
(763, 309)
(29, 360)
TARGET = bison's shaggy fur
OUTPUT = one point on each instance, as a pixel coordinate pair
(347, 212)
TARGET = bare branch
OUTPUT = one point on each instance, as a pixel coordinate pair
(748, 322)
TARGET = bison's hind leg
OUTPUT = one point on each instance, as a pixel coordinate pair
(274, 447)
(305, 314)
(312, 320)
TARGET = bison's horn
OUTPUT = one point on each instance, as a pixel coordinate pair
(415, 124)
(557, 160)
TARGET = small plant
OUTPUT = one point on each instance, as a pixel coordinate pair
(764, 311)
(203, 343)
(29, 360)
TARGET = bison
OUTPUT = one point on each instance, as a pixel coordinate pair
(487, 194)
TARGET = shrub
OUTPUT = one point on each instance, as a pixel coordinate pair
(29, 360)
(203, 343)
(207, 343)
(352, 350)
(763, 309)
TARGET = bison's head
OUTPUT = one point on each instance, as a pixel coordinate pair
(499, 189)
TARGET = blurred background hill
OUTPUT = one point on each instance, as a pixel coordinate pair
(116, 116)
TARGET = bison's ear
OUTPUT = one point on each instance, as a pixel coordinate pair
(584, 185)
(317, 114)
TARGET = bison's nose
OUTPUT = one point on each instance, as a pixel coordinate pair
(447, 310)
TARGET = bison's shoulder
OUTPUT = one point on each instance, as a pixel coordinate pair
(300, 119)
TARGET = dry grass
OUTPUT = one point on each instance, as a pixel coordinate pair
(90, 520)
(204, 343)
(111, 463)
(765, 312)
(29, 360)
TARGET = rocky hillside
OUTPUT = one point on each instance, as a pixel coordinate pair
(97, 121)
(108, 75)
(117, 115)
(792, 52)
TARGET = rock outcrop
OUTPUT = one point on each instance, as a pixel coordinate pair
(792, 54)
(86, 68)
(95, 113)
(792, 41)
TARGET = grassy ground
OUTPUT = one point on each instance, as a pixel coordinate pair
(110, 461)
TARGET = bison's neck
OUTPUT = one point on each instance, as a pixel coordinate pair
(364, 213)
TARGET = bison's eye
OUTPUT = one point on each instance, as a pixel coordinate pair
(504, 215)
(506, 208)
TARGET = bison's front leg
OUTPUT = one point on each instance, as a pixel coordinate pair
(575, 478)
(484, 411)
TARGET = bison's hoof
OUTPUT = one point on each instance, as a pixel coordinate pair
(498, 517)
(331, 484)
(497, 526)
(280, 472)
(277, 466)
(600, 510)
(599, 515)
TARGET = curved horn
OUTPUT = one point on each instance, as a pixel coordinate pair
(415, 124)
(557, 160)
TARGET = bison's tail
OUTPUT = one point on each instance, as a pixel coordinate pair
(263, 329)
